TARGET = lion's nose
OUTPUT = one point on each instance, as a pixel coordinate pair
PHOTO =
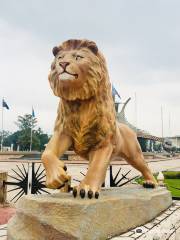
(64, 64)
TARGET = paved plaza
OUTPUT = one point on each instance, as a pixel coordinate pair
(167, 225)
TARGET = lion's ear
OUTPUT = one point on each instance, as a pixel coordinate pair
(55, 51)
(93, 47)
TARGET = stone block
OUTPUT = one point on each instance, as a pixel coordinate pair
(60, 216)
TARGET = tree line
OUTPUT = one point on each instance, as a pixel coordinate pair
(22, 137)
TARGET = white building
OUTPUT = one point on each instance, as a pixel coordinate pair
(175, 141)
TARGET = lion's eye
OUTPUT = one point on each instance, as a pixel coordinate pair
(78, 57)
(60, 57)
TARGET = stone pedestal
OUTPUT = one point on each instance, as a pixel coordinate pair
(3, 187)
(60, 216)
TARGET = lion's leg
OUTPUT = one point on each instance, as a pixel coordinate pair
(91, 184)
(133, 154)
(128, 147)
(138, 162)
(55, 169)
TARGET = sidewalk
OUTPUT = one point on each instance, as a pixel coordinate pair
(5, 214)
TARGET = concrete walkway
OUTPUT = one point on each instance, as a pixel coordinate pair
(76, 171)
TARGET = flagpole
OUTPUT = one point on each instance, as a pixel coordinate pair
(2, 126)
(162, 127)
(31, 140)
(31, 132)
(162, 123)
(136, 118)
(169, 124)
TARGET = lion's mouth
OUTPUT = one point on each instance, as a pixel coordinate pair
(67, 76)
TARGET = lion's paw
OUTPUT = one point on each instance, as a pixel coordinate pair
(85, 191)
(57, 177)
(149, 184)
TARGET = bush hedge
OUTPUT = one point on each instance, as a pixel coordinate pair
(171, 175)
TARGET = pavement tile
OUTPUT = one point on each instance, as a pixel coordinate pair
(139, 231)
(127, 234)
(5, 214)
(122, 238)
(3, 232)
(162, 216)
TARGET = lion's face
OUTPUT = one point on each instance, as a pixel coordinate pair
(76, 72)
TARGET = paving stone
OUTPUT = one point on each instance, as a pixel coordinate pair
(166, 230)
(162, 216)
(127, 234)
(3, 232)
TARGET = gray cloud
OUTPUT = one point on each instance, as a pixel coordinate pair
(140, 40)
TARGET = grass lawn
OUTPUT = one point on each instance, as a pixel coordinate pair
(172, 182)
(171, 185)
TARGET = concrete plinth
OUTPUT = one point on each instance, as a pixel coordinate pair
(60, 216)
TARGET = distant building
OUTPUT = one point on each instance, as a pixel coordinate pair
(175, 141)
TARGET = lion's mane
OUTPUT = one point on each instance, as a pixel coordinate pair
(85, 113)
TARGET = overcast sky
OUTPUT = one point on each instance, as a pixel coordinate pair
(140, 40)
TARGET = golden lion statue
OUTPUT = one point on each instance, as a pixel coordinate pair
(86, 120)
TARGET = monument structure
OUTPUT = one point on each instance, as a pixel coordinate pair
(86, 122)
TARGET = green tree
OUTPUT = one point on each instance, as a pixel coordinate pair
(43, 138)
(5, 135)
(12, 139)
(22, 137)
(25, 124)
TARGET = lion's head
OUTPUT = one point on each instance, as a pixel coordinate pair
(78, 70)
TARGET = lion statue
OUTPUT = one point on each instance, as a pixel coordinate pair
(86, 120)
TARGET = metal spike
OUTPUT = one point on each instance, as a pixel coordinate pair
(37, 169)
(20, 170)
(40, 173)
(13, 189)
(45, 191)
(41, 178)
(17, 174)
(127, 181)
(14, 178)
(123, 177)
(17, 195)
(24, 169)
(117, 174)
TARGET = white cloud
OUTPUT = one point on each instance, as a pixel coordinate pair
(139, 39)
(24, 83)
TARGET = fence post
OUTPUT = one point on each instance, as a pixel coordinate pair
(29, 187)
(3, 187)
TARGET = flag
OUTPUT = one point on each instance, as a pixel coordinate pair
(33, 114)
(114, 92)
(4, 104)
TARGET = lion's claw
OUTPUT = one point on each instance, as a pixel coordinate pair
(90, 194)
(96, 195)
(149, 185)
(82, 193)
(74, 192)
(65, 168)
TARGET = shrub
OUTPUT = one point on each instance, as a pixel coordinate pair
(171, 175)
